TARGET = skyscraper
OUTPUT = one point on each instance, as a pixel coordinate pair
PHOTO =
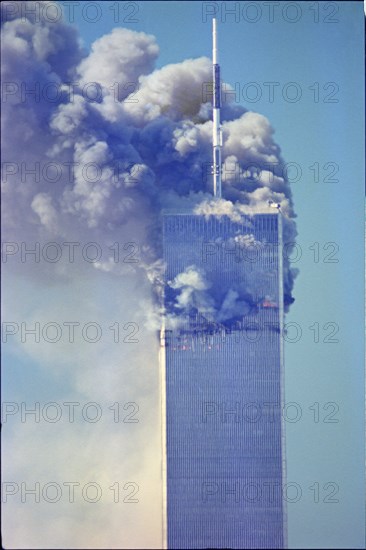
(223, 382)
(222, 372)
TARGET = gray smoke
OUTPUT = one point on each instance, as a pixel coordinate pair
(140, 144)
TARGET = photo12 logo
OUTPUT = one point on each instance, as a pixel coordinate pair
(71, 12)
(271, 12)
(69, 491)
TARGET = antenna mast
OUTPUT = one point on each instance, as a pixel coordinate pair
(216, 127)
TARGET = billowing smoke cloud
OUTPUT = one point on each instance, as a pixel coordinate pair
(95, 146)
(193, 293)
(117, 60)
(140, 144)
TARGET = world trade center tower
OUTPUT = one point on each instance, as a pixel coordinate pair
(222, 378)
(224, 452)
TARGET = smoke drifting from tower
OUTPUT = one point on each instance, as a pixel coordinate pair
(159, 135)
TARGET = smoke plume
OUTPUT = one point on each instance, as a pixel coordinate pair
(131, 140)
(95, 146)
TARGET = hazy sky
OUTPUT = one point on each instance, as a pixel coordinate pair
(304, 62)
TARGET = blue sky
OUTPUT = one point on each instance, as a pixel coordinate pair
(324, 56)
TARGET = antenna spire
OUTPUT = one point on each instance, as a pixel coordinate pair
(216, 127)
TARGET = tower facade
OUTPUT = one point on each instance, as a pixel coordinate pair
(222, 373)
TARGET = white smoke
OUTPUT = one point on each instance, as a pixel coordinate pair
(193, 292)
(117, 60)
